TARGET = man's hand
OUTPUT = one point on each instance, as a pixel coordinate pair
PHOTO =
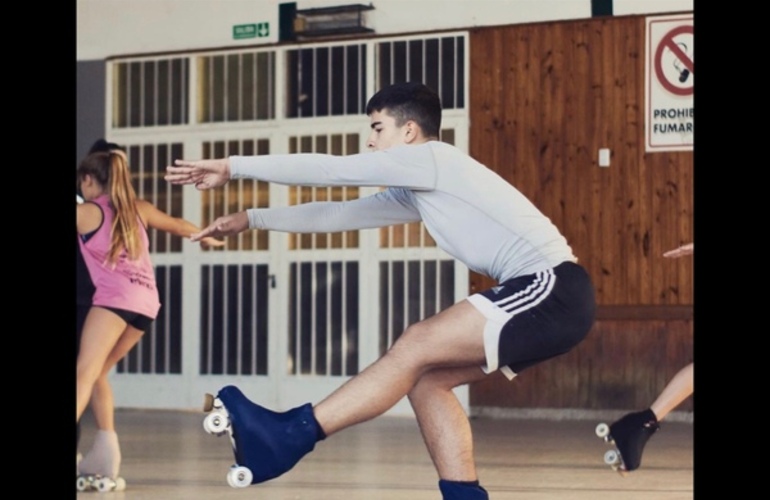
(227, 225)
(680, 251)
(204, 174)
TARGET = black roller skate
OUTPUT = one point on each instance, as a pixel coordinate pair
(629, 435)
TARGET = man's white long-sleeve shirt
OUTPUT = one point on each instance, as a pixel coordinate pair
(470, 211)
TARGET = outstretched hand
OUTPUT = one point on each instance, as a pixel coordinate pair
(227, 225)
(209, 242)
(680, 251)
(203, 174)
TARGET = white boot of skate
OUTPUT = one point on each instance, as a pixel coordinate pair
(99, 468)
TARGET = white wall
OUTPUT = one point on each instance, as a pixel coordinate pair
(120, 27)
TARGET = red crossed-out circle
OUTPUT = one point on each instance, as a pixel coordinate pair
(668, 42)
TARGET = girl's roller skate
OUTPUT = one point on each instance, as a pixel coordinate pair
(629, 435)
(265, 443)
(98, 469)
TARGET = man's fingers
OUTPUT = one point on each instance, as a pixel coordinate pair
(177, 174)
(186, 175)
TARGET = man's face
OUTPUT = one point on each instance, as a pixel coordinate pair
(385, 133)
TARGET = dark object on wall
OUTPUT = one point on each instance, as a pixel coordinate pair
(286, 14)
(334, 21)
(601, 8)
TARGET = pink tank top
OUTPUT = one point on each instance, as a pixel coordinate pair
(127, 284)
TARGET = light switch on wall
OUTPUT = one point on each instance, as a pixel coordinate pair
(604, 157)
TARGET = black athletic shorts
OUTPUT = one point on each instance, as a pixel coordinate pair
(535, 317)
(138, 321)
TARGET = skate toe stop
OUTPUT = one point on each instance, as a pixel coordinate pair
(208, 402)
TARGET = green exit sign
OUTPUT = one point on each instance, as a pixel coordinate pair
(256, 30)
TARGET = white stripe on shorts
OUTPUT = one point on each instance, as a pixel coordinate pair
(500, 311)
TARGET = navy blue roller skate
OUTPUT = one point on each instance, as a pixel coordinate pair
(462, 490)
(629, 435)
(265, 443)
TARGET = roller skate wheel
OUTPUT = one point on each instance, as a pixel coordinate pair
(82, 483)
(612, 458)
(106, 484)
(208, 402)
(602, 430)
(215, 423)
(239, 477)
(120, 484)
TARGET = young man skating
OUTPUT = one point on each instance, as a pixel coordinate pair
(542, 307)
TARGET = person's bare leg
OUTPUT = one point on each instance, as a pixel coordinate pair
(101, 332)
(443, 422)
(452, 338)
(677, 390)
(103, 404)
(102, 399)
(104, 457)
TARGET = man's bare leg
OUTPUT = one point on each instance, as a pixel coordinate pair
(452, 338)
(443, 422)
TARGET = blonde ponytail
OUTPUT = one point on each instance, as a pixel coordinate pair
(110, 170)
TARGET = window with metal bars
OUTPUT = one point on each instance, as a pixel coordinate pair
(437, 62)
(150, 93)
(160, 349)
(147, 163)
(326, 81)
(323, 318)
(237, 195)
(234, 312)
(236, 87)
(335, 144)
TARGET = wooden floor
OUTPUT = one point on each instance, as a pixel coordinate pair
(167, 455)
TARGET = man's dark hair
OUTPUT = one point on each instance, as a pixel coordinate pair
(102, 145)
(409, 101)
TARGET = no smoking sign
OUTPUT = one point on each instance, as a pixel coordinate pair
(675, 62)
(670, 83)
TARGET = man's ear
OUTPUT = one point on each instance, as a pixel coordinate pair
(412, 131)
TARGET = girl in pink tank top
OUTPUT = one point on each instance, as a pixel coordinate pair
(112, 233)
